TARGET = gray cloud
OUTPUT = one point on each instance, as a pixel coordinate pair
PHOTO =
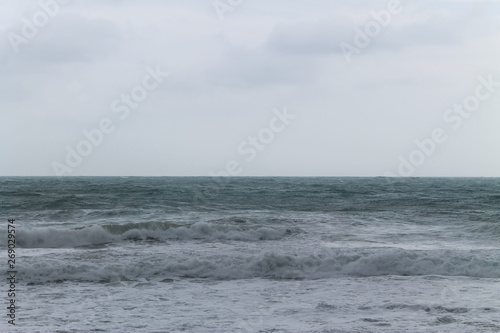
(72, 38)
(261, 68)
(311, 37)
(227, 76)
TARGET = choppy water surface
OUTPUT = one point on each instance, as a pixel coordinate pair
(255, 254)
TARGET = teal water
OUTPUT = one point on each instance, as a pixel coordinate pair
(297, 238)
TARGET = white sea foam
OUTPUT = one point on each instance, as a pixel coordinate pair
(64, 238)
(291, 255)
(376, 262)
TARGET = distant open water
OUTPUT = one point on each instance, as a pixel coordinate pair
(137, 254)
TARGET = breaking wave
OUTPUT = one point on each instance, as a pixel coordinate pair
(271, 265)
(159, 231)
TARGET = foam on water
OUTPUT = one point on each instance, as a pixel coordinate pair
(99, 267)
(274, 254)
(52, 237)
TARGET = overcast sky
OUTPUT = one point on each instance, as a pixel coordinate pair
(254, 88)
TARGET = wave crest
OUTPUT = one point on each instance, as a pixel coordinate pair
(272, 265)
(159, 231)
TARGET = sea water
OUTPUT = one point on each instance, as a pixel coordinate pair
(168, 254)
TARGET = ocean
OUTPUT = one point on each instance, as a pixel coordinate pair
(278, 254)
